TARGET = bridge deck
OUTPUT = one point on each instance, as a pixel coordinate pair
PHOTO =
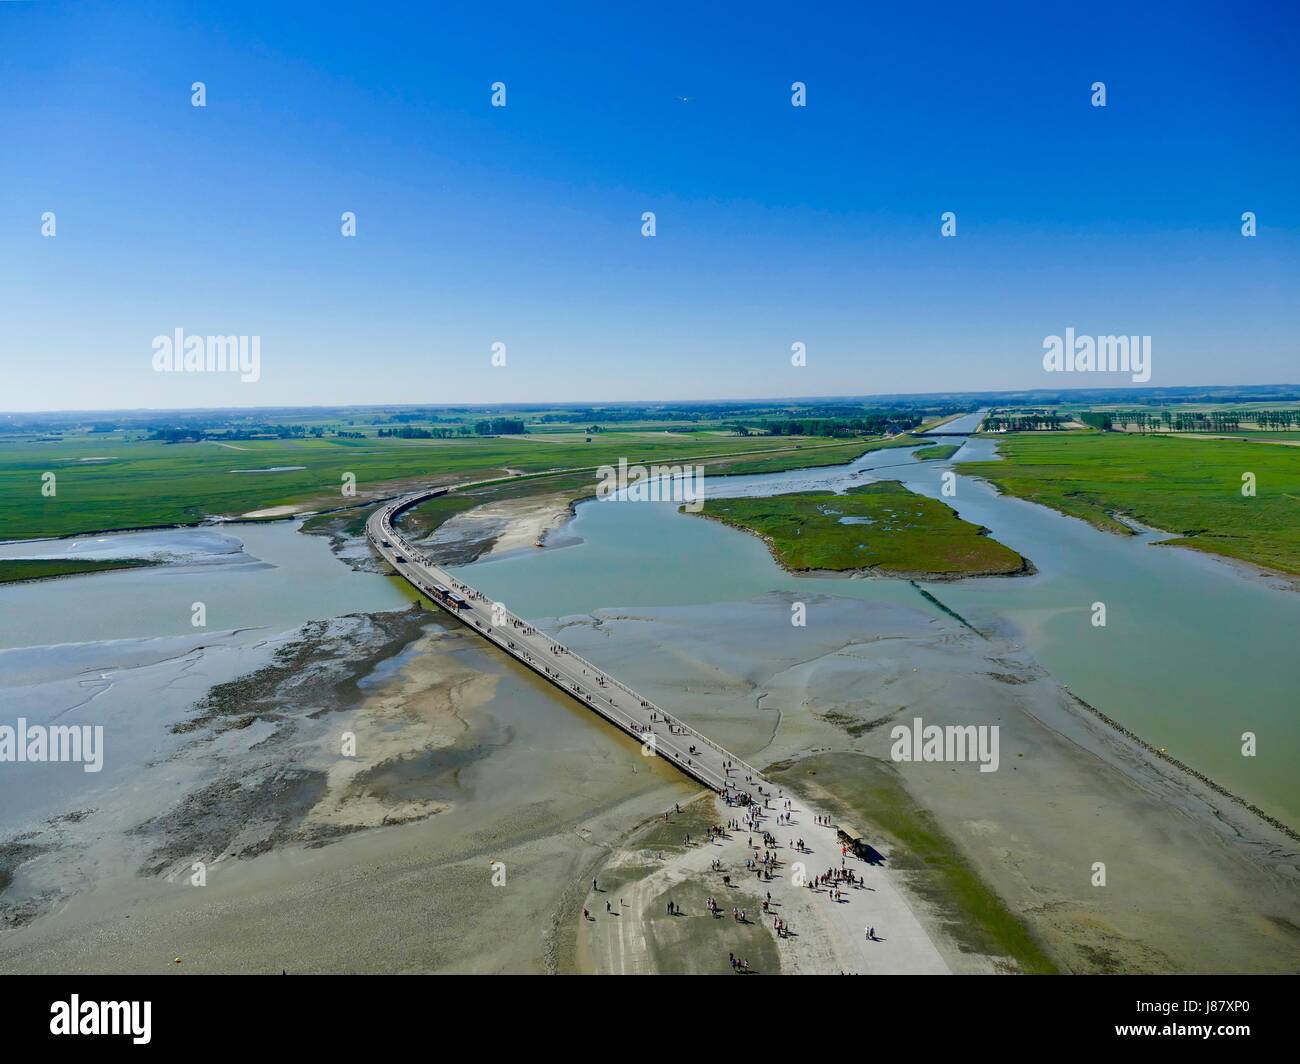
(658, 731)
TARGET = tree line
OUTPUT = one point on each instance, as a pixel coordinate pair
(870, 425)
(497, 426)
(1024, 422)
(1199, 420)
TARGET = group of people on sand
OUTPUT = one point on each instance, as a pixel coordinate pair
(833, 879)
(824, 821)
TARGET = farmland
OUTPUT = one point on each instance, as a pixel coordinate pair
(108, 481)
(1192, 488)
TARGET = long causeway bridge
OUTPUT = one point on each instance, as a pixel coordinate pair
(657, 731)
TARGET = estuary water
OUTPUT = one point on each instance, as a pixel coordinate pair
(245, 575)
(966, 423)
(1193, 654)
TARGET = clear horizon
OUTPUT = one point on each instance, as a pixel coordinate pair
(561, 404)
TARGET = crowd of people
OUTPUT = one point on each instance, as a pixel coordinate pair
(764, 860)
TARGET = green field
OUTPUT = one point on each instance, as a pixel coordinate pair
(937, 452)
(1253, 435)
(891, 530)
(17, 569)
(1189, 487)
(110, 482)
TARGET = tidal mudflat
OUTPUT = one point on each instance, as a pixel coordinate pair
(1194, 883)
(381, 860)
(226, 748)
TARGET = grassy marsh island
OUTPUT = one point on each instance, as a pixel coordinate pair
(882, 527)
(938, 452)
(13, 570)
(1192, 488)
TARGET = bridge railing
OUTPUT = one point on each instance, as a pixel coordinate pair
(673, 720)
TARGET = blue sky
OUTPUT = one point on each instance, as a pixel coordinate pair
(522, 224)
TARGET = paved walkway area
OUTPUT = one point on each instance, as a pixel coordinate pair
(828, 922)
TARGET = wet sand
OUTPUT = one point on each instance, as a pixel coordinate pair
(382, 862)
(204, 758)
(501, 527)
(386, 862)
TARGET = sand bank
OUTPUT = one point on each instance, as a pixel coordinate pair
(273, 511)
(501, 527)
